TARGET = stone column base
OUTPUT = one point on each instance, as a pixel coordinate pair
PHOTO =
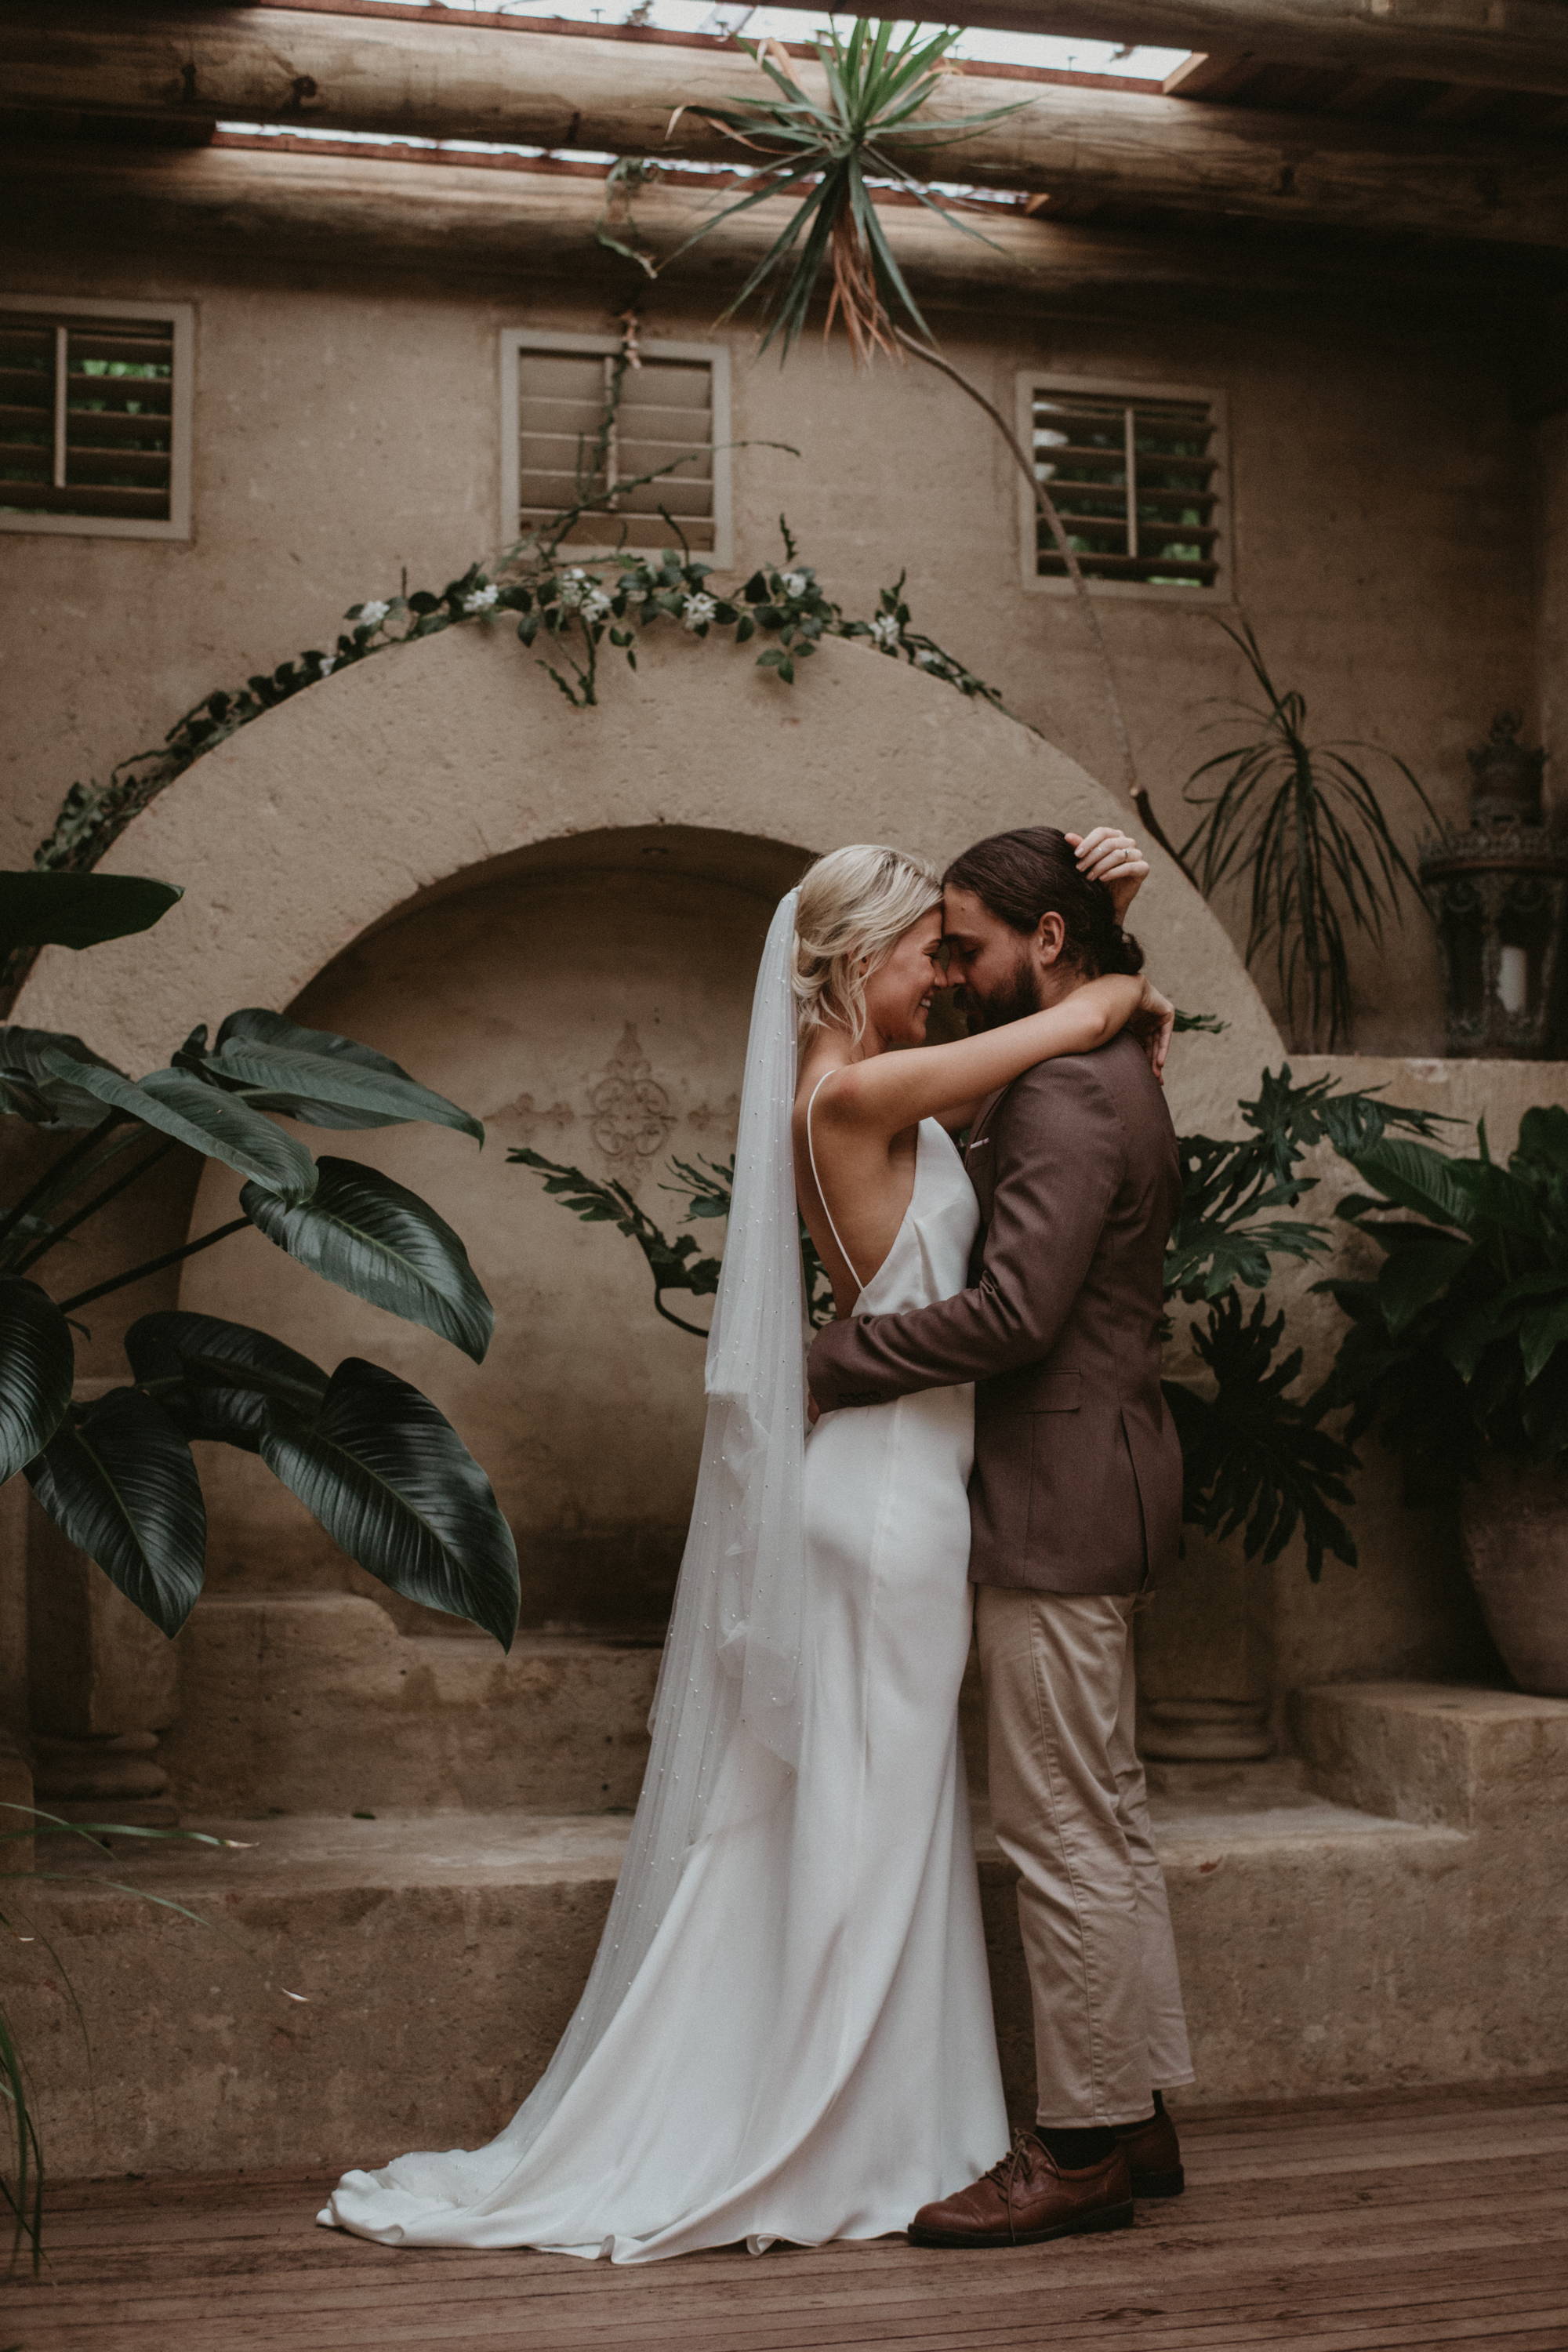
(113, 1777)
(1204, 1730)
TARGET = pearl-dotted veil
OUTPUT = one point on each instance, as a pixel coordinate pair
(726, 1720)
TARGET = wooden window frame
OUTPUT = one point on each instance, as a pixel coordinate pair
(1221, 590)
(715, 357)
(182, 317)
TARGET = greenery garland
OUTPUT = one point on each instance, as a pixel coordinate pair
(574, 608)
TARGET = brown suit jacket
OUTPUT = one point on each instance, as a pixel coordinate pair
(1077, 1485)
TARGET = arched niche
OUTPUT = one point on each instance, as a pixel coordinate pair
(540, 909)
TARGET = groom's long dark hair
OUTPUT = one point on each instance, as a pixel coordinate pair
(1032, 871)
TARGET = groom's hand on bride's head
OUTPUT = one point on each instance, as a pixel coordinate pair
(1110, 855)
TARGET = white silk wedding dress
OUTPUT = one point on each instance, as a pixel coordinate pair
(805, 2048)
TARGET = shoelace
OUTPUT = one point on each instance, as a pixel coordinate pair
(1008, 2168)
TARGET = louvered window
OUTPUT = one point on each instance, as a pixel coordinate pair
(94, 418)
(576, 423)
(1139, 478)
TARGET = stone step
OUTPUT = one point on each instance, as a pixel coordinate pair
(364, 1986)
(1385, 1911)
(317, 1703)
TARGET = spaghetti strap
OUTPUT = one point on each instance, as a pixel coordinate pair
(817, 1180)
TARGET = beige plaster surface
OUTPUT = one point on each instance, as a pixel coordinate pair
(311, 1702)
(594, 976)
(305, 829)
(347, 426)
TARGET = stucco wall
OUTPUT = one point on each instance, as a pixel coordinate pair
(347, 429)
(526, 905)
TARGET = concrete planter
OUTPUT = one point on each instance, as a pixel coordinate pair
(1514, 1518)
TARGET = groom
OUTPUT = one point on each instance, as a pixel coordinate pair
(1075, 1501)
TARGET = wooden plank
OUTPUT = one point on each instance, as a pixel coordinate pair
(477, 222)
(1437, 2226)
(1080, 146)
(391, 2319)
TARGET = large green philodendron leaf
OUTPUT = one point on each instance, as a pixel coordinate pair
(391, 1481)
(36, 1363)
(213, 1123)
(39, 908)
(1418, 1178)
(325, 1080)
(384, 1243)
(119, 1480)
(215, 1379)
(1417, 1274)
(33, 1089)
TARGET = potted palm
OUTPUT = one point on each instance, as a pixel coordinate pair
(1456, 1355)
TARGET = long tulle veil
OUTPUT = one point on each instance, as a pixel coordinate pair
(727, 1713)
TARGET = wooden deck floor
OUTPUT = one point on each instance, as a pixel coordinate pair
(1438, 2223)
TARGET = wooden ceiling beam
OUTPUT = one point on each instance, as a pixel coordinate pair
(1499, 44)
(267, 203)
(400, 77)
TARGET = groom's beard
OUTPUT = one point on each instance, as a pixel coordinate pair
(1012, 1000)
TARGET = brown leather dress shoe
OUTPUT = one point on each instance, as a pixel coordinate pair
(1027, 2197)
(1153, 2155)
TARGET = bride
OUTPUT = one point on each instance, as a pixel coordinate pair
(788, 2030)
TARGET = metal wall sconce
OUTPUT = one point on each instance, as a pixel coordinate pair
(1499, 894)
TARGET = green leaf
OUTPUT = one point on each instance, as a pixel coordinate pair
(389, 1478)
(32, 1087)
(213, 1378)
(37, 1365)
(325, 1080)
(1411, 1277)
(1255, 1457)
(214, 1124)
(41, 908)
(1541, 1334)
(1543, 1137)
(119, 1478)
(383, 1243)
(1417, 1178)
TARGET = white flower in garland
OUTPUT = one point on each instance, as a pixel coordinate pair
(576, 587)
(926, 659)
(480, 600)
(328, 664)
(372, 614)
(596, 605)
(885, 632)
(796, 583)
(697, 610)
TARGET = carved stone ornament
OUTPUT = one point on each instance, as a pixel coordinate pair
(1499, 894)
(629, 1110)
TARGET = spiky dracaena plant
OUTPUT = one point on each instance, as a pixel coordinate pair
(1303, 820)
(828, 150)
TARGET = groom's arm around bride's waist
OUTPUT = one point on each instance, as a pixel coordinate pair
(1056, 1151)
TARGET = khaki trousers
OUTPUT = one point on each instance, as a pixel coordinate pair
(1070, 1812)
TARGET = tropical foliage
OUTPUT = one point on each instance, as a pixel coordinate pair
(375, 1461)
(1303, 822)
(674, 1264)
(1458, 1346)
(830, 151)
(1258, 1457)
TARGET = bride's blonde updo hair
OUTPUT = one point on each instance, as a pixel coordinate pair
(854, 904)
